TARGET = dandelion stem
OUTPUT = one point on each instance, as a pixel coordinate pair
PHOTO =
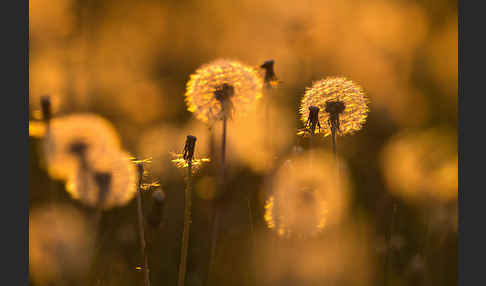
(187, 225)
(217, 207)
(388, 245)
(214, 238)
(333, 137)
(223, 152)
(141, 228)
(46, 118)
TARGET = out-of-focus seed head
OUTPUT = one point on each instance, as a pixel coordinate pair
(307, 196)
(343, 105)
(61, 244)
(223, 86)
(74, 137)
(109, 180)
(422, 166)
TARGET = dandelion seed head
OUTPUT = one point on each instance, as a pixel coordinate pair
(338, 99)
(328, 259)
(421, 165)
(72, 136)
(220, 78)
(307, 196)
(112, 170)
(61, 244)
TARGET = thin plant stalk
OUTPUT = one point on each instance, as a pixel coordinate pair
(141, 230)
(103, 182)
(217, 214)
(424, 251)
(187, 225)
(46, 110)
(223, 151)
(334, 145)
(388, 245)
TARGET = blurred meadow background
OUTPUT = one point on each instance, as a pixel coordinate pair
(129, 62)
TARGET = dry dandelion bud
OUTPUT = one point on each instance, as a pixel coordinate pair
(189, 148)
(46, 108)
(342, 103)
(270, 79)
(73, 139)
(187, 159)
(307, 196)
(156, 214)
(223, 88)
(109, 180)
(61, 244)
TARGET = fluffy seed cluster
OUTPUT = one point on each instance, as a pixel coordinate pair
(61, 244)
(307, 196)
(122, 181)
(334, 92)
(417, 168)
(69, 135)
(84, 151)
(210, 78)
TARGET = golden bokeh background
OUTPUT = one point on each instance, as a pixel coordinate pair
(129, 62)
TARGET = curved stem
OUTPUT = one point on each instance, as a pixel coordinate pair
(187, 225)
